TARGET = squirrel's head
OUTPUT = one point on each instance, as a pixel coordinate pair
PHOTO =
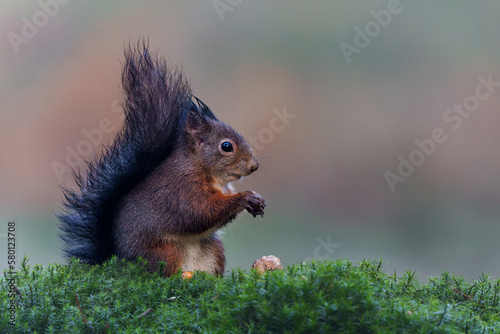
(221, 150)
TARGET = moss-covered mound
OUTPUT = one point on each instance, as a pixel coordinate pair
(326, 297)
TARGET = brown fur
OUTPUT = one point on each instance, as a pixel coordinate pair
(178, 208)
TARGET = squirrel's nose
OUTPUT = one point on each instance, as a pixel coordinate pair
(254, 166)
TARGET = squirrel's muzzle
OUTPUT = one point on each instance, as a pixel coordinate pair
(254, 165)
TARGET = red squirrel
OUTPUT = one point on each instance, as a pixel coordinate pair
(162, 190)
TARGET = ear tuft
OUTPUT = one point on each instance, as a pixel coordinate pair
(196, 125)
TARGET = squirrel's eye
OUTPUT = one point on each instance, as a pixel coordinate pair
(226, 146)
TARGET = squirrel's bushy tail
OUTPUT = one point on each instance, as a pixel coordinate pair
(156, 98)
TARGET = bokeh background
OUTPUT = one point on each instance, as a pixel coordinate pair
(322, 173)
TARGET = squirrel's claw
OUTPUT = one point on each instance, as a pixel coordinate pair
(255, 204)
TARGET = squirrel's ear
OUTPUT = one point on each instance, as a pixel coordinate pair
(195, 126)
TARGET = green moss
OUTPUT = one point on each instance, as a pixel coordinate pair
(316, 297)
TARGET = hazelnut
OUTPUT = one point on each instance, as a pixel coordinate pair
(265, 263)
(187, 275)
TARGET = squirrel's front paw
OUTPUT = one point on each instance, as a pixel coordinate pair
(254, 203)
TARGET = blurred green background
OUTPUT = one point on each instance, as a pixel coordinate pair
(322, 174)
